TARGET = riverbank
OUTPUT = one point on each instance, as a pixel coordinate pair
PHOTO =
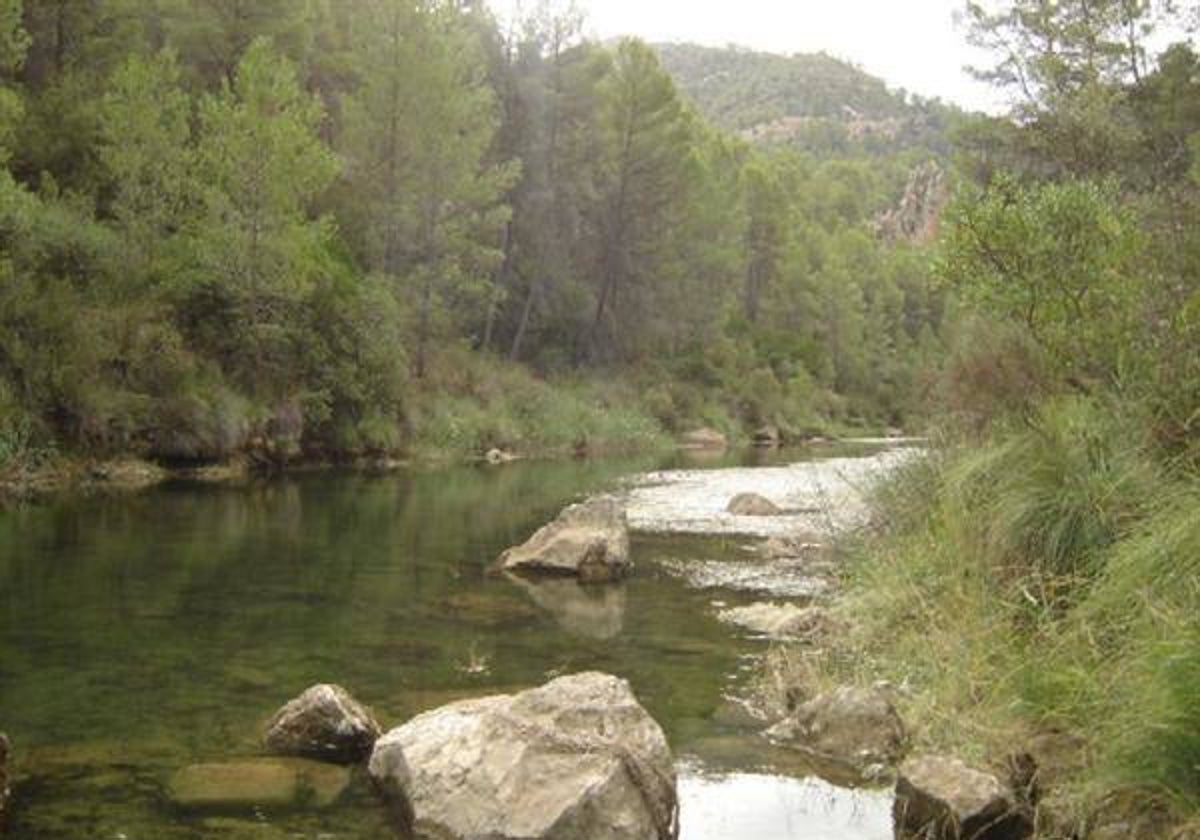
(1035, 594)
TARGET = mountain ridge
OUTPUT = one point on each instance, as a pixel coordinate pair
(814, 101)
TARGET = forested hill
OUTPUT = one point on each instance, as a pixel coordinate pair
(814, 101)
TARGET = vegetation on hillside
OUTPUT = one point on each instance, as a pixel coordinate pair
(814, 102)
(294, 229)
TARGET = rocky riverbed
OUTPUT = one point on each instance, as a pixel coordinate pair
(814, 497)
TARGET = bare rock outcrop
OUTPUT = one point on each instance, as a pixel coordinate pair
(917, 216)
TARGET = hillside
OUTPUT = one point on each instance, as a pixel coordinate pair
(814, 101)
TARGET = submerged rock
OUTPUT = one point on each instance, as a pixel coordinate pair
(704, 439)
(576, 758)
(325, 722)
(940, 798)
(793, 547)
(4, 788)
(593, 611)
(781, 621)
(271, 783)
(857, 727)
(589, 540)
(752, 504)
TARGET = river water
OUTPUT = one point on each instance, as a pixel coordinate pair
(141, 633)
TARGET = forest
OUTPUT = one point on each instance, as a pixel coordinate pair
(316, 229)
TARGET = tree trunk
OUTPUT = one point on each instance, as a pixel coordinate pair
(526, 311)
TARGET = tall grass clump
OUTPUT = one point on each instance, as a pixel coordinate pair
(1042, 580)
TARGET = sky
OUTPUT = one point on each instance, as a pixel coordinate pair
(910, 44)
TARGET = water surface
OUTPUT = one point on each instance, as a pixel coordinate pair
(142, 633)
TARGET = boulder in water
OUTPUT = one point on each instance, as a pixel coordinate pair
(781, 621)
(325, 722)
(752, 504)
(855, 727)
(576, 758)
(589, 540)
(940, 798)
(496, 457)
(270, 783)
(704, 439)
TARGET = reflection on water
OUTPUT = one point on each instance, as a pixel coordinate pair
(596, 611)
(755, 806)
(139, 634)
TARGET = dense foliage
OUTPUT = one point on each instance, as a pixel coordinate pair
(286, 227)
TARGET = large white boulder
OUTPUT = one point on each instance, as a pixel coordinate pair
(576, 758)
(589, 540)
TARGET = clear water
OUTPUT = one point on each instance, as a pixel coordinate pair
(142, 633)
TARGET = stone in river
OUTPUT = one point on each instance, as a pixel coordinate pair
(325, 722)
(857, 727)
(576, 759)
(589, 540)
(941, 798)
(269, 783)
(752, 504)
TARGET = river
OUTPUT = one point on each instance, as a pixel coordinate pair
(140, 633)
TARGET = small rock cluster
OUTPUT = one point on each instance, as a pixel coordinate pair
(576, 757)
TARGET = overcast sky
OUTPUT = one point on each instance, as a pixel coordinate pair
(913, 44)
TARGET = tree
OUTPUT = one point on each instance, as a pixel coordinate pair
(767, 211)
(146, 121)
(642, 153)
(1055, 258)
(427, 202)
(211, 36)
(14, 41)
(257, 249)
(547, 84)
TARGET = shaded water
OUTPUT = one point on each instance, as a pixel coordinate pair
(142, 633)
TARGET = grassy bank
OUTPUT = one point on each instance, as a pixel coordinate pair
(467, 404)
(1038, 590)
